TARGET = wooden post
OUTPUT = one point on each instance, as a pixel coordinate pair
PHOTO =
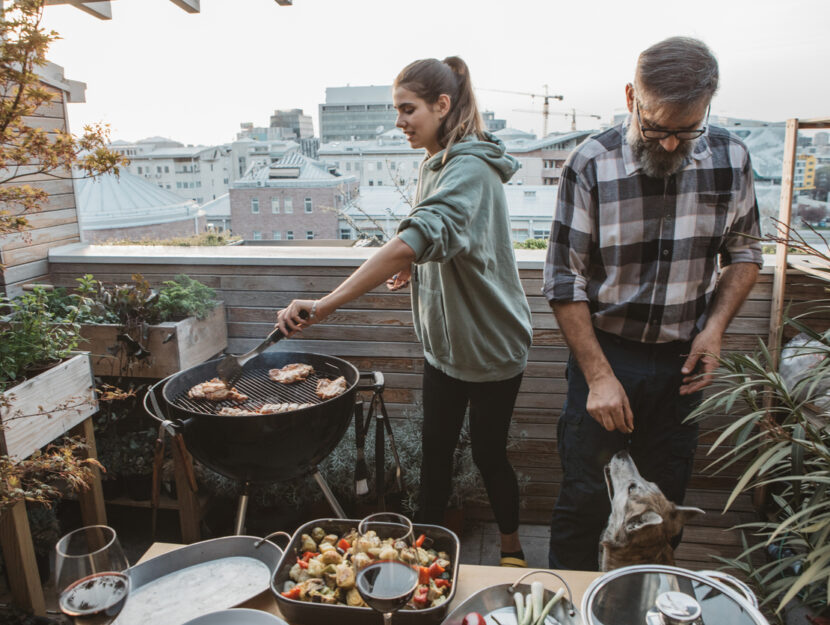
(19, 556)
(188, 500)
(785, 210)
(91, 500)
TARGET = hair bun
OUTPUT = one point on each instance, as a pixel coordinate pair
(457, 65)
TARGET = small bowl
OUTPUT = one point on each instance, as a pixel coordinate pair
(237, 616)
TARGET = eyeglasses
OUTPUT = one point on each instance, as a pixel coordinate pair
(682, 135)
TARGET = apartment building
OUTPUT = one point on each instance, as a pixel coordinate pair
(387, 160)
(292, 198)
(356, 113)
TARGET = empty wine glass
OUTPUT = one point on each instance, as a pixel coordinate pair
(90, 575)
(387, 583)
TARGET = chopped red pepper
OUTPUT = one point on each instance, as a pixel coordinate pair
(294, 593)
(420, 540)
(423, 575)
(343, 544)
(421, 597)
(435, 570)
(308, 555)
(303, 564)
(440, 583)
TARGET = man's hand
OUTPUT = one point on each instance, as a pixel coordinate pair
(702, 361)
(608, 405)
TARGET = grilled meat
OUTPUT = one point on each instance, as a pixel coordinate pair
(326, 389)
(215, 390)
(289, 374)
(236, 412)
(286, 407)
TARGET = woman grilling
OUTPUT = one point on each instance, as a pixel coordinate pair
(470, 312)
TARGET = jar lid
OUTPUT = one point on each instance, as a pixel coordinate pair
(663, 595)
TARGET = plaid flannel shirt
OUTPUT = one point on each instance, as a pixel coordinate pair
(643, 252)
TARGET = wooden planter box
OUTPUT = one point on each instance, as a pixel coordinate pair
(173, 346)
(39, 410)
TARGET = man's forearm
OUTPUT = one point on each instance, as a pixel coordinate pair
(732, 289)
(574, 320)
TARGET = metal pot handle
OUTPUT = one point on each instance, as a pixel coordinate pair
(571, 610)
(732, 582)
(277, 533)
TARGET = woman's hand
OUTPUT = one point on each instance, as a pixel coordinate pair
(289, 320)
(399, 280)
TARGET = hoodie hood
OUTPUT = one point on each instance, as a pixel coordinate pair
(491, 150)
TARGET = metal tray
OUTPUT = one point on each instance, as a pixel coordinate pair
(496, 605)
(323, 614)
(194, 599)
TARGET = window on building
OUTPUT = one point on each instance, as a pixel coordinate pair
(254, 205)
(309, 234)
(224, 181)
(348, 166)
(543, 233)
(166, 169)
(168, 186)
(139, 170)
(158, 169)
(276, 235)
(198, 184)
(288, 205)
(380, 183)
(308, 205)
(392, 165)
(530, 193)
(257, 235)
(368, 167)
(371, 183)
(275, 205)
(380, 165)
(178, 185)
(345, 233)
(289, 235)
(414, 164)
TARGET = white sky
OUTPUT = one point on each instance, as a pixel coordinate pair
(156, 70)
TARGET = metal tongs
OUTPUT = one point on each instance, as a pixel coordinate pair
(230, 368)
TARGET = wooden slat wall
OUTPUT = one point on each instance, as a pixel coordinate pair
(375, 333)
(24, 255)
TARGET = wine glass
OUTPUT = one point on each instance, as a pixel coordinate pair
(90, 575)
(387, 583)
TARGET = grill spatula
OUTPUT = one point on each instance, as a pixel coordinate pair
(230, 368)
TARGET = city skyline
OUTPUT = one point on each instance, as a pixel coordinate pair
(195, 78)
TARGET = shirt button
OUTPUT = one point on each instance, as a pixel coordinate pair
(665, 252)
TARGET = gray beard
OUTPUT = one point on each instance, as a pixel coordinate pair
(655, 161)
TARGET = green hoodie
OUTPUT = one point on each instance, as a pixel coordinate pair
(470, 310)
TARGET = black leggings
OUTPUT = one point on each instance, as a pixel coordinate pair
(491, 408)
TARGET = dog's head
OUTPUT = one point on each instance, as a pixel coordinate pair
(642, 521)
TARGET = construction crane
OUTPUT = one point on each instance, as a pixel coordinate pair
(573, 114)
(545, 106)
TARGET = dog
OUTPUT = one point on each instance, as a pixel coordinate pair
(642, 523)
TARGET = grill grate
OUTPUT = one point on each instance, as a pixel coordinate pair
(260, 390)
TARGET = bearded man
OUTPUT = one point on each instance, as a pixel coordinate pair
(647, 265)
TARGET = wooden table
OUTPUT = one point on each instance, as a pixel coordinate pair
(472, 578)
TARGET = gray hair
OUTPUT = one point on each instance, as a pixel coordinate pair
(678, 70)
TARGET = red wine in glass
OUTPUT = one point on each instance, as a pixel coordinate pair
(96, 599)
(386, 586)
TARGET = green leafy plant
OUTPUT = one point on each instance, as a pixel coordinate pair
(777, 435)
(185, 297)
(531, 244)
(32, 336)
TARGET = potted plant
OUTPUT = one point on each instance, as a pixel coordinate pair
(45, 387)
(778, 436)
(135, 330)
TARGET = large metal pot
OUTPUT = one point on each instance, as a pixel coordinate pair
(668, 595)
(262, 448)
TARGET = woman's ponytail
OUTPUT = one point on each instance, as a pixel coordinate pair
(428, 79)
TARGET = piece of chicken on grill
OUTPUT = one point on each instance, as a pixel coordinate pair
(215, 390)
(289, 374)
(230, 411)
(326, 389)
(286, 407)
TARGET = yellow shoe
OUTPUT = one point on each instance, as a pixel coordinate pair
(516, 563)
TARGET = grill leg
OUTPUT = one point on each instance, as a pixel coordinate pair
(335, 505)
(242, 510)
